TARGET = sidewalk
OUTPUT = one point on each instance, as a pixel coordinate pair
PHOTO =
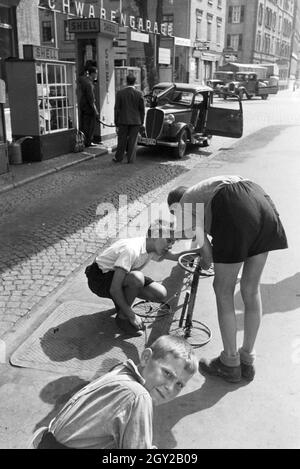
(27, 172)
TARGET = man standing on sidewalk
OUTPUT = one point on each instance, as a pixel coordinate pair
(89, 114)
(129, 116)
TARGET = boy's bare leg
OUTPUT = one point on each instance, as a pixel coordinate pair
(250, 291)
(153, 292)
(224, 286)
(133, 283)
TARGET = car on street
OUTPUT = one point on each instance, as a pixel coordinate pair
(247, 84)
(179, 114)
(216, 85)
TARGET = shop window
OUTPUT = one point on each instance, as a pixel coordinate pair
(54, 97)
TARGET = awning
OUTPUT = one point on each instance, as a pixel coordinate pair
(9, 3)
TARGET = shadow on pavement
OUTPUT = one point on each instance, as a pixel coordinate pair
(57, 393)
(173, 283)
(247, 146)
(280, 297)
(166, 416)
(86, 337)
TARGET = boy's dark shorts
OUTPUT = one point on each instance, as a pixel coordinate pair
(245, 223)
(100, 283)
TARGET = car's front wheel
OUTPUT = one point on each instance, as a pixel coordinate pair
(182, 139)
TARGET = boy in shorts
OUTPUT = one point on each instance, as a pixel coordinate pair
(116, 273)
(115, 411)
(244, 226)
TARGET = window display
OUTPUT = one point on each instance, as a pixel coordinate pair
(55, 92)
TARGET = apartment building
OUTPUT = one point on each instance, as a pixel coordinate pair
(260, 31)
(207, 32)
(294, 74)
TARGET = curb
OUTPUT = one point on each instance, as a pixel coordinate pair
(88, 156)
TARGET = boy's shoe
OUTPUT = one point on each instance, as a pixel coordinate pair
(248, 371)
(126, 326)
(215, 367)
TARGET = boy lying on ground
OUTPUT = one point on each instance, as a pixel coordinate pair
(115, 411)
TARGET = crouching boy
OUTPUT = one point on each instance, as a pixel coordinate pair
(115, 411)
(116, 273)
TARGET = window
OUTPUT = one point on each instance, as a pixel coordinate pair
(209, 26)
(274, 21)
(260, 14)
(198, 23)
(268, 18)
(219, 30)
(168, 22)
(267, 43)
(258, 42)
(47, 33)
(236, 14)
(197, 65)
(68, 36)
(55, 99)
(235, 41)
(219, 3)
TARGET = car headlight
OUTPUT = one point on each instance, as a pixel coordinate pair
(169, 118)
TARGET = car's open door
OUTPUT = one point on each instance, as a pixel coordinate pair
(223, 121)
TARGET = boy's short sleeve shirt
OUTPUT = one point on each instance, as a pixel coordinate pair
(127, 254)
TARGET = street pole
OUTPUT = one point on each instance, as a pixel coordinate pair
(173, 61)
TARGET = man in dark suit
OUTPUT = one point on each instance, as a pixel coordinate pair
(129, 116)
(89, 114)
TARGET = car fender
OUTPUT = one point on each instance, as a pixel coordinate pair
(177, 127)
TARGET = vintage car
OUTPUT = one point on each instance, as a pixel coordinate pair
(217, 85)
(179, 114)
(248, 85)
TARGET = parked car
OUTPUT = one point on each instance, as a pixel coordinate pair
(178, 114)
(248, 84)
(216, 85)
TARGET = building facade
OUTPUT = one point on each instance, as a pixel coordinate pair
(207, 32)
(295, 48)
(261, 31)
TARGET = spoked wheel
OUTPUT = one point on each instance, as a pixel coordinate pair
(151, 311)
(189, 262)
(180, 150)
(197, 335)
